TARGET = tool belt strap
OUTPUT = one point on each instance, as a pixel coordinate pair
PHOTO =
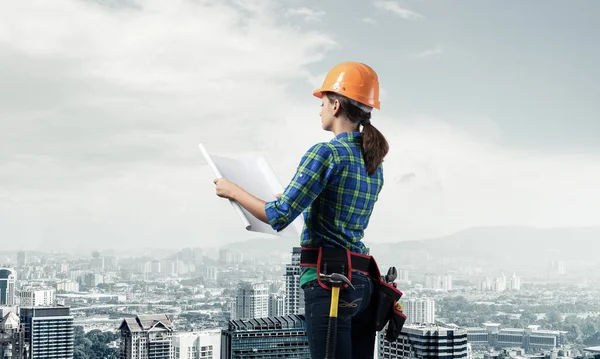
(309, 257)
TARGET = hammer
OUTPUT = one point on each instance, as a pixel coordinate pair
(336, 280)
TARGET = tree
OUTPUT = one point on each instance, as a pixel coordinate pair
(574, 335)
(94, 344)
(554, 317)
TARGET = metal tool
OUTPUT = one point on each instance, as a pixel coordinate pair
(336, 280)
(391, 275)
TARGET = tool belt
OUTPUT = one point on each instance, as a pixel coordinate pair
(329, 260)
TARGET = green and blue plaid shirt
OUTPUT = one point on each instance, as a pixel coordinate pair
(332, 189)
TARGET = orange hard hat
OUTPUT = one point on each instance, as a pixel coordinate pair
(354, 80)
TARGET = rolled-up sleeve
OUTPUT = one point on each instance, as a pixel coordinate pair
(312, 175)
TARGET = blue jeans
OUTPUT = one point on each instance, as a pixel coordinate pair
(356, 326)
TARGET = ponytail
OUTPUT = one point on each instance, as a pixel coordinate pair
(375, 147)
(374, 144)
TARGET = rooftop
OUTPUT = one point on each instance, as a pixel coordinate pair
(142, 323)
(592, 349)
(268, 323)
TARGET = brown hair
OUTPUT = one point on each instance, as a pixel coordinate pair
(374, 144)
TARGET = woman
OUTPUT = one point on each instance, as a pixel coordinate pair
(335, 186)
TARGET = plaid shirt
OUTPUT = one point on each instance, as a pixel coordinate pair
(332, 189)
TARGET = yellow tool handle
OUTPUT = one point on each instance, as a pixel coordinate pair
(335, 296)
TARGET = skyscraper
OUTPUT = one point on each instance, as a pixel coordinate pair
(425, 341)
(293, 292)
(8, 279)
(447, 282)
(21, 259)
(276, 305)
(273, 337)
(515, 283)
(432, 281)
(37, 297)
(252, 301)
(12, 338)
(419, 310)
(48, 332)
(146, 337)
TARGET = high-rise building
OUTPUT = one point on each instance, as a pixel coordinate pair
(155, 266)
(12, 337)
(432, 281)
(293, 292)
(212, 273)
(499, 285)
(146, 337)
(419, 310)
(48, 332)
(225, 256)
(92, 279)
(8, 279)
(556, 268)
(447, 282)
(272, 337)
(205, 344)
(403, 276)
(67, 285)
(252, 301)
(37, 297)
(515, 283)
(436, 282)
(276, 305)
(21, 259)
(425, 342)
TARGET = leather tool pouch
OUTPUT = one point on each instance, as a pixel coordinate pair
(387, 297)
(333, 260)
(395, 325)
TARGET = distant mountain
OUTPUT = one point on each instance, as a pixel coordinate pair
(519, 238)
(486, 243)
(516, 243)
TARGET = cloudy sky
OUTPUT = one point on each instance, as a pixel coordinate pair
(488, 107)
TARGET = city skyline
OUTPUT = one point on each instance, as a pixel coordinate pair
(190, 302)
(488, 110)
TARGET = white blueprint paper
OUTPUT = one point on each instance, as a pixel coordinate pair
(255, 175)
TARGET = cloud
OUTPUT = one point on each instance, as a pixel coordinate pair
(108, 100)
(115, 85)
(101, 112)
(406, 177)
(436, 51)
(306, 13)
(460, 178)
(394, 7)
(368, 20)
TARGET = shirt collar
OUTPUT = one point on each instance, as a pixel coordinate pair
(347, 137)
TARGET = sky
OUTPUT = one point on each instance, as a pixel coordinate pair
(487, 106)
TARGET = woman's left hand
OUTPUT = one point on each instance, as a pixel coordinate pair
(225, 188)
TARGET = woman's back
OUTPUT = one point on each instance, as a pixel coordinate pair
(340, 213)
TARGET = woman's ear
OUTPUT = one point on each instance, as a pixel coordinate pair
(336, 107)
